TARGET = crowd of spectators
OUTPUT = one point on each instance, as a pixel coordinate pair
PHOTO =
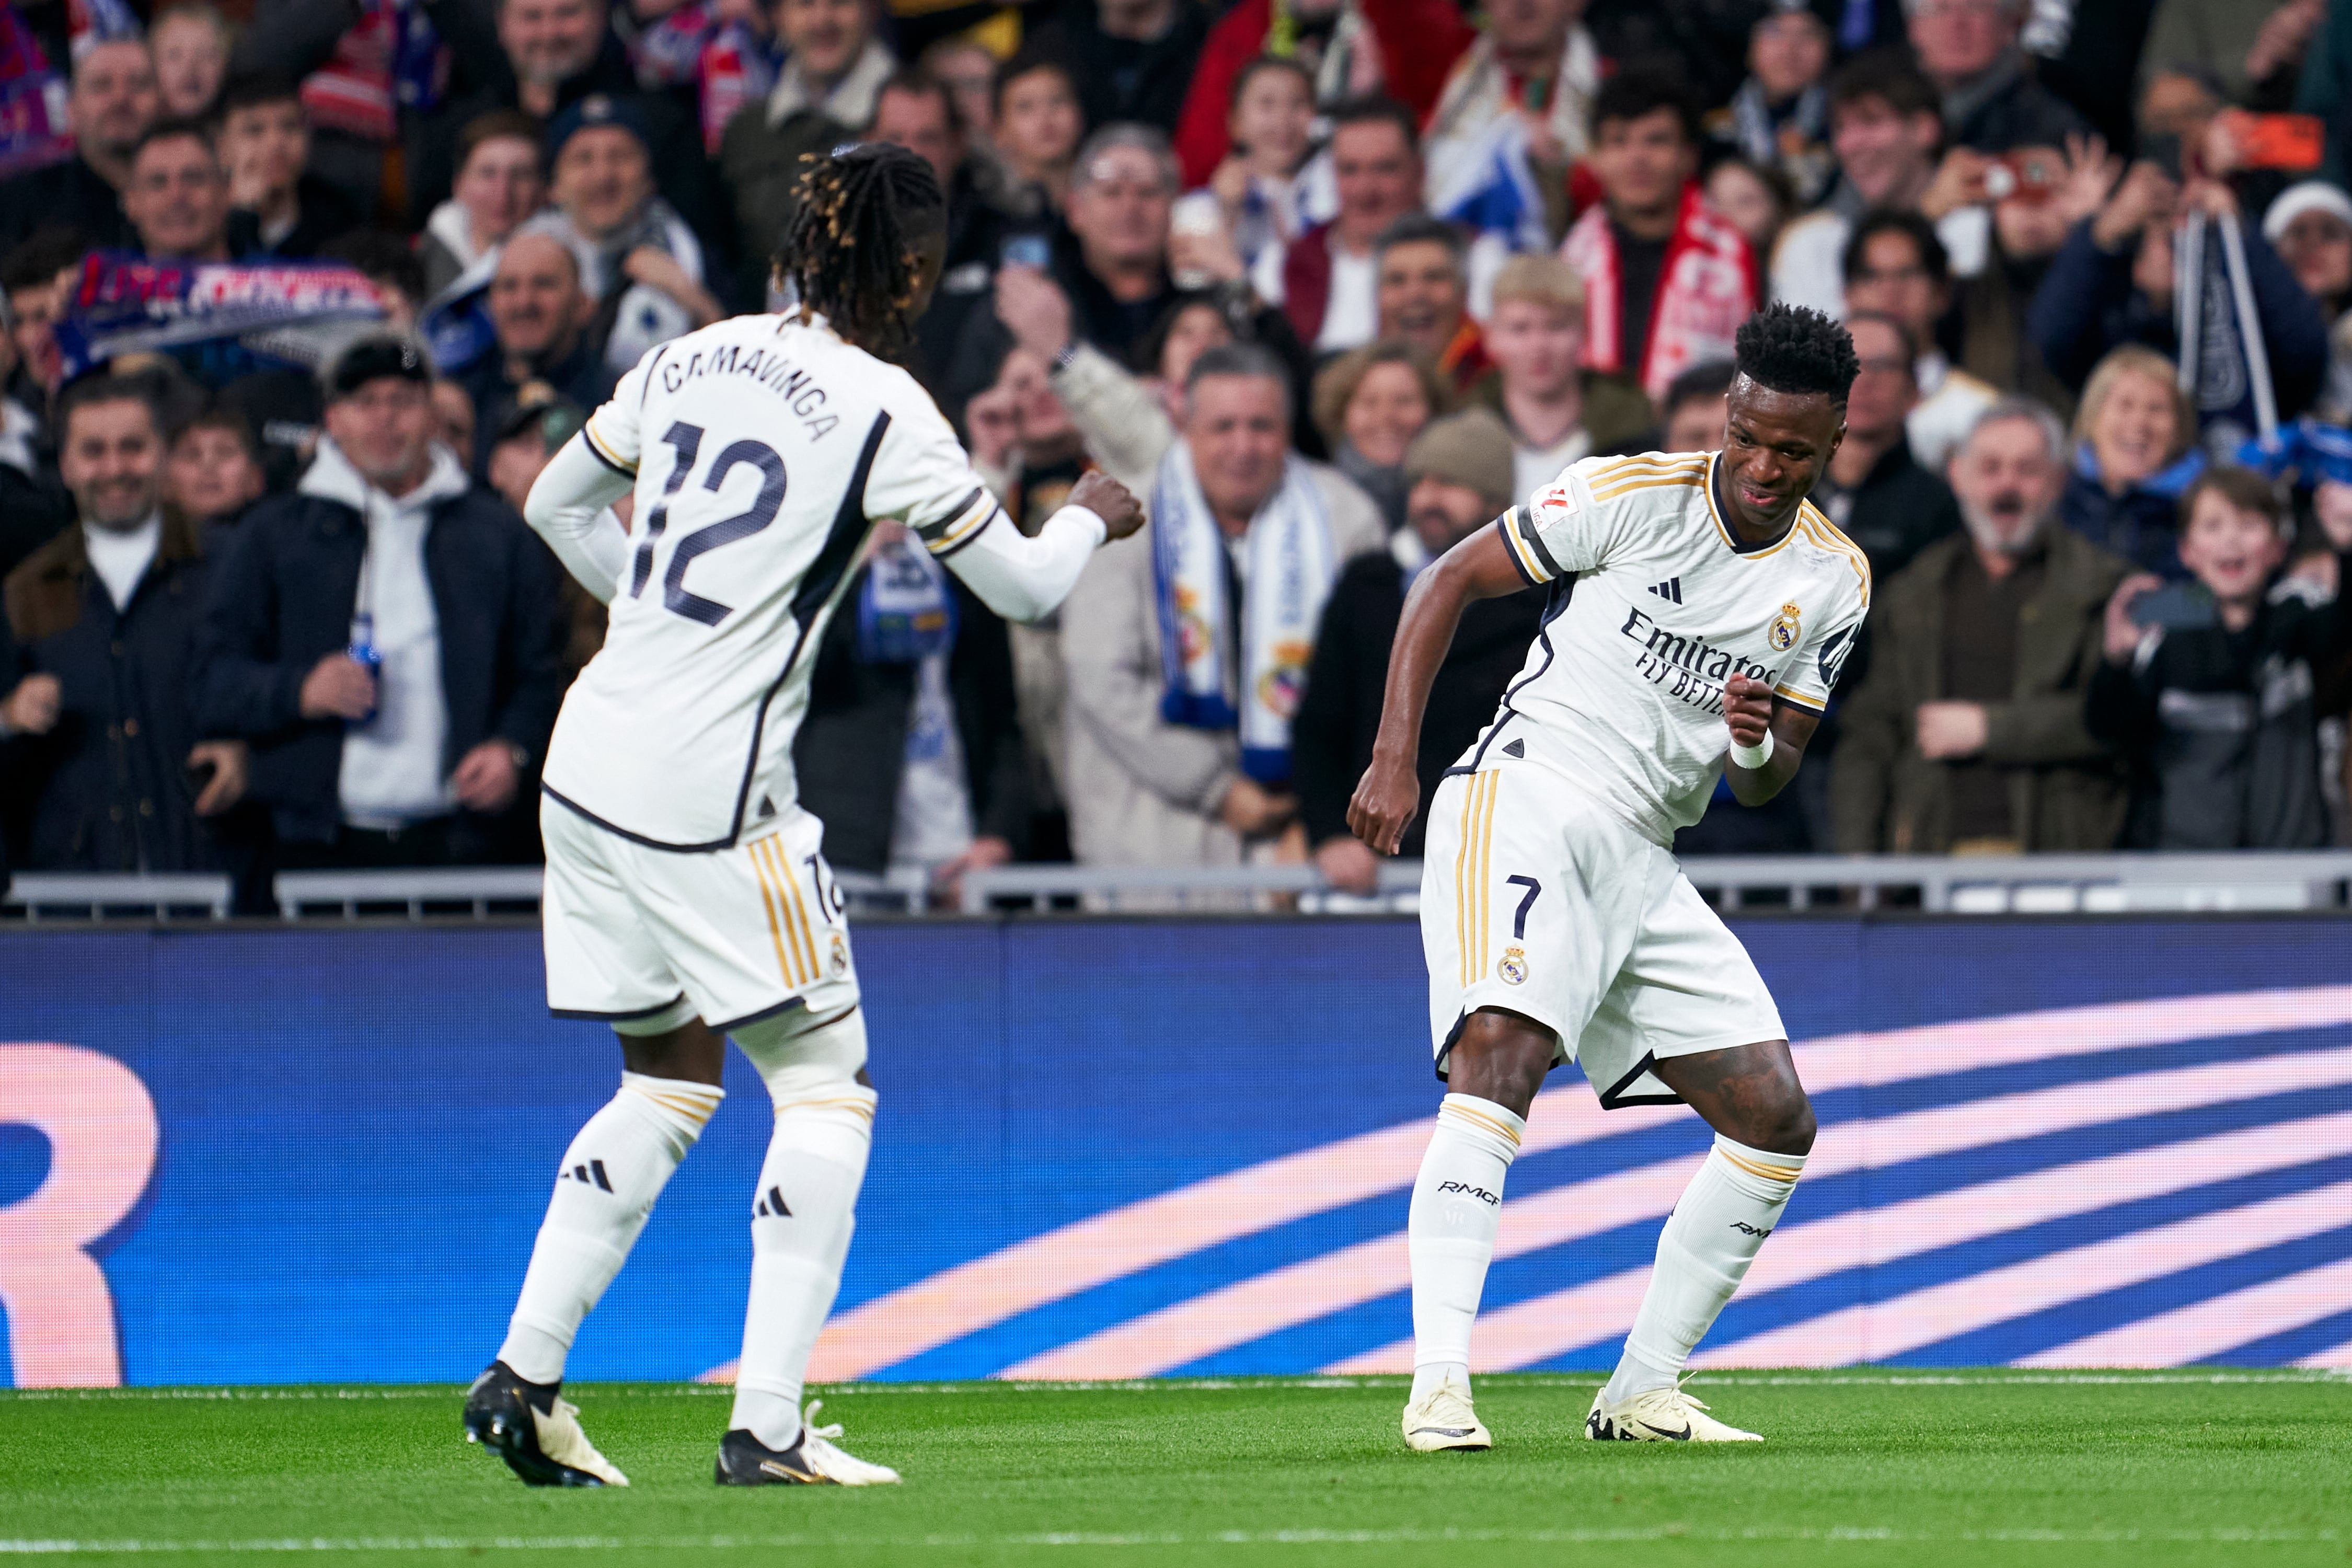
(300, 295)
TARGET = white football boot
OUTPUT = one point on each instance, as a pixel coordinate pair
(1444, 1420)
(811, 1461)
(1658, 1416)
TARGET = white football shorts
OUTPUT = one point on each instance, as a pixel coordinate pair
(743, 933)
(1537, 901)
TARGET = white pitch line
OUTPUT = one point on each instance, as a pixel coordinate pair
(1986, 1377)
(1308, 1536)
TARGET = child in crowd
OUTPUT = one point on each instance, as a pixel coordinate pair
(2207, 688)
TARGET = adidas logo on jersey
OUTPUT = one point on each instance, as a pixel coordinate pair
(1671, 590)
(593, 1171)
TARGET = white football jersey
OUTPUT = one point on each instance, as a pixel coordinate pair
(1655, 605)
(762, 447)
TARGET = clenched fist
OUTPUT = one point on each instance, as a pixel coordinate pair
(1108, 500)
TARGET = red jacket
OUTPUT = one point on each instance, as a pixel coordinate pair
(1419, 41)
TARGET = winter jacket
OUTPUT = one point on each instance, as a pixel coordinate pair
(1339, 713)
(282, 599)
(2066, 789)
(1118, 80)
(2220, 730)
(2143, 524)
(852, 747)
(2087, 305)
(759, 155)
(105, 789)
(1144, 792)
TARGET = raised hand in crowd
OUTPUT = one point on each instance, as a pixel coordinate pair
(2122, 634)
(1962, 181)
(2284, 37)
(657, 268)
(231, 764)
(1034, 309)
(32, 707)
(2145, 196)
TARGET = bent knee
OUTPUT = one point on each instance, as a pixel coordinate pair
(1786, 1124)
(1502, 1056)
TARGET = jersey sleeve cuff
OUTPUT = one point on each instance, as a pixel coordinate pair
(1527, 555)
(960, 526)
(1805, 701)
(602, 454)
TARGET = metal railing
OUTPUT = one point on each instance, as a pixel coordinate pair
(35, 897)
(2023, 885)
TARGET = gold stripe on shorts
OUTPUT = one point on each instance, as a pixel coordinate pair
(800, 910)
(767, 901)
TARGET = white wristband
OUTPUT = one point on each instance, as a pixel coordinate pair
(1753, 757)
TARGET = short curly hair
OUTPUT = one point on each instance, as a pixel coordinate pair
(1786, 348)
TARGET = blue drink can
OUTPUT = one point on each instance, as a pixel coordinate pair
(362, 652)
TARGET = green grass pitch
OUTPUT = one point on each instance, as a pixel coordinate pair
(1872, 1467)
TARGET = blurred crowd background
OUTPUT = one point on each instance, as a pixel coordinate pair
(299, 296)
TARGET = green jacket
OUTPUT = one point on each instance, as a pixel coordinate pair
(760, 155)
(2067, 791)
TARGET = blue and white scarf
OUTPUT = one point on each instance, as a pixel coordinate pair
(222, 318)
(1289, 563)
(905, 611)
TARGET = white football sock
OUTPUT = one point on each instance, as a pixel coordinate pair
(803, 1216)
(616, 1166)
(1457, 1201)
(1731, 1206)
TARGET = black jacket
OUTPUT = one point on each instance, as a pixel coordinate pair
(1339, 713)
(1897, 510)
(2022, 112)
(324, 213)
(281, 600)
(852, 748)
(581, 376)
(70, 194)
(106, 790)
(1120, 80)
(2221, 731)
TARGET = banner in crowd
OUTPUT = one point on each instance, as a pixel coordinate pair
(1121, 1149)
(260, 314)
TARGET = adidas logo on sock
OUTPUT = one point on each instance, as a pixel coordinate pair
(594, 1170)
(773, 1206)
(1671, 590)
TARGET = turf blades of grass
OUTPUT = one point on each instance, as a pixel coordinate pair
(1876, 1468)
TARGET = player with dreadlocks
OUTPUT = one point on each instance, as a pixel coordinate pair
(688, 899)
(1700, 611)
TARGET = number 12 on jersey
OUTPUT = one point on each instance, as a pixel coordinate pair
(685, 441)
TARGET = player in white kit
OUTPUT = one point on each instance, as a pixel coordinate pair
(686, 898)
(1700, 611)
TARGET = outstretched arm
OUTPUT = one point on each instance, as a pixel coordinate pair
(1389, 795)
(1021, 578)
(570, 506)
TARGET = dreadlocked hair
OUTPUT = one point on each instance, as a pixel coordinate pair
(853, 250)
(1788, 348)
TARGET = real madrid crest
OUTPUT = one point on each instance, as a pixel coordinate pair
(1784, 630)
(1513, 967)
(839, 965)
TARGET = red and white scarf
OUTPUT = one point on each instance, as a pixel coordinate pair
(1706, 287)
